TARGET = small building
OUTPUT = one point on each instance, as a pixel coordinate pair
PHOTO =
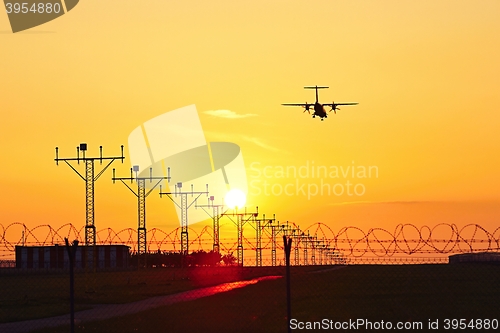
(56, 257)
(475, 257)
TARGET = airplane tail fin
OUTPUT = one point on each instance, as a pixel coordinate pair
(315, 87)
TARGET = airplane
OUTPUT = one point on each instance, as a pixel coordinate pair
(319, 109)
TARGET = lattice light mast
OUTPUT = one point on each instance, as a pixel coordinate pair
(296, 236)
(183, 206)
(323, 251)
(141, 195)
(90, 178)
(307, 241)
(215, 216)
(241, 219)
(259, 225)
(258, 240)
(323, 247)
(275, 231)
(313, 240)
(328, 254)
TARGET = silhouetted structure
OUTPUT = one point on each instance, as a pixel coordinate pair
(240, 222)
(215, 216)
(56, 257)
(475, 257)
(195, 259)
(141, 195)
(184, 206)
(90, 178)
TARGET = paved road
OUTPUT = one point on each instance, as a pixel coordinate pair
(107, 311)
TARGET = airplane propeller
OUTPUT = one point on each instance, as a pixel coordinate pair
(306, 108)
(334, 108)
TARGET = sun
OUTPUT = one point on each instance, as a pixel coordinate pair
(235, 198)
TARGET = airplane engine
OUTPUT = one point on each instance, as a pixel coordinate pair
(307, 107)
(334, 108)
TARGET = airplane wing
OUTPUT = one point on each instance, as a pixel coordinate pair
(337, 104)
(297, 104)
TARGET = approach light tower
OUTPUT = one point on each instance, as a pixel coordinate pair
(184, 206)
(303, 239)
(296, 235)
(240, 222)
(258, 228)
(215, 216)
(90, 178)
(275, 231)
(141, 206)
(313, 240)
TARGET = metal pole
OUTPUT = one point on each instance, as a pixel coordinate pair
(288, 247)
(71, 255)
(296, 254)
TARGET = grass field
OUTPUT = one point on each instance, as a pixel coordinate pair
(380, 292)
(32, 295)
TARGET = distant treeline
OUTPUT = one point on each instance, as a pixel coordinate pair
(195, 259)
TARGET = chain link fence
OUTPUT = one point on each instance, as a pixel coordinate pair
(407, 293)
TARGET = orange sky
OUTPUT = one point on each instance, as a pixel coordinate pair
(426, 75)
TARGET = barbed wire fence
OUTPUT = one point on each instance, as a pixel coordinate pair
(316, 242)
(405, 277)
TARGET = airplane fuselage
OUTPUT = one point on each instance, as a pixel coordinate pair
(319, 110)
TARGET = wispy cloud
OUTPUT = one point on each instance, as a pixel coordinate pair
(228, 114)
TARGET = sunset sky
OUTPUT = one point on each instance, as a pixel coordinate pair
(426, 75)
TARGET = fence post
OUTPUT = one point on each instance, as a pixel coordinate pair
(71, 255)
(288, 250)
